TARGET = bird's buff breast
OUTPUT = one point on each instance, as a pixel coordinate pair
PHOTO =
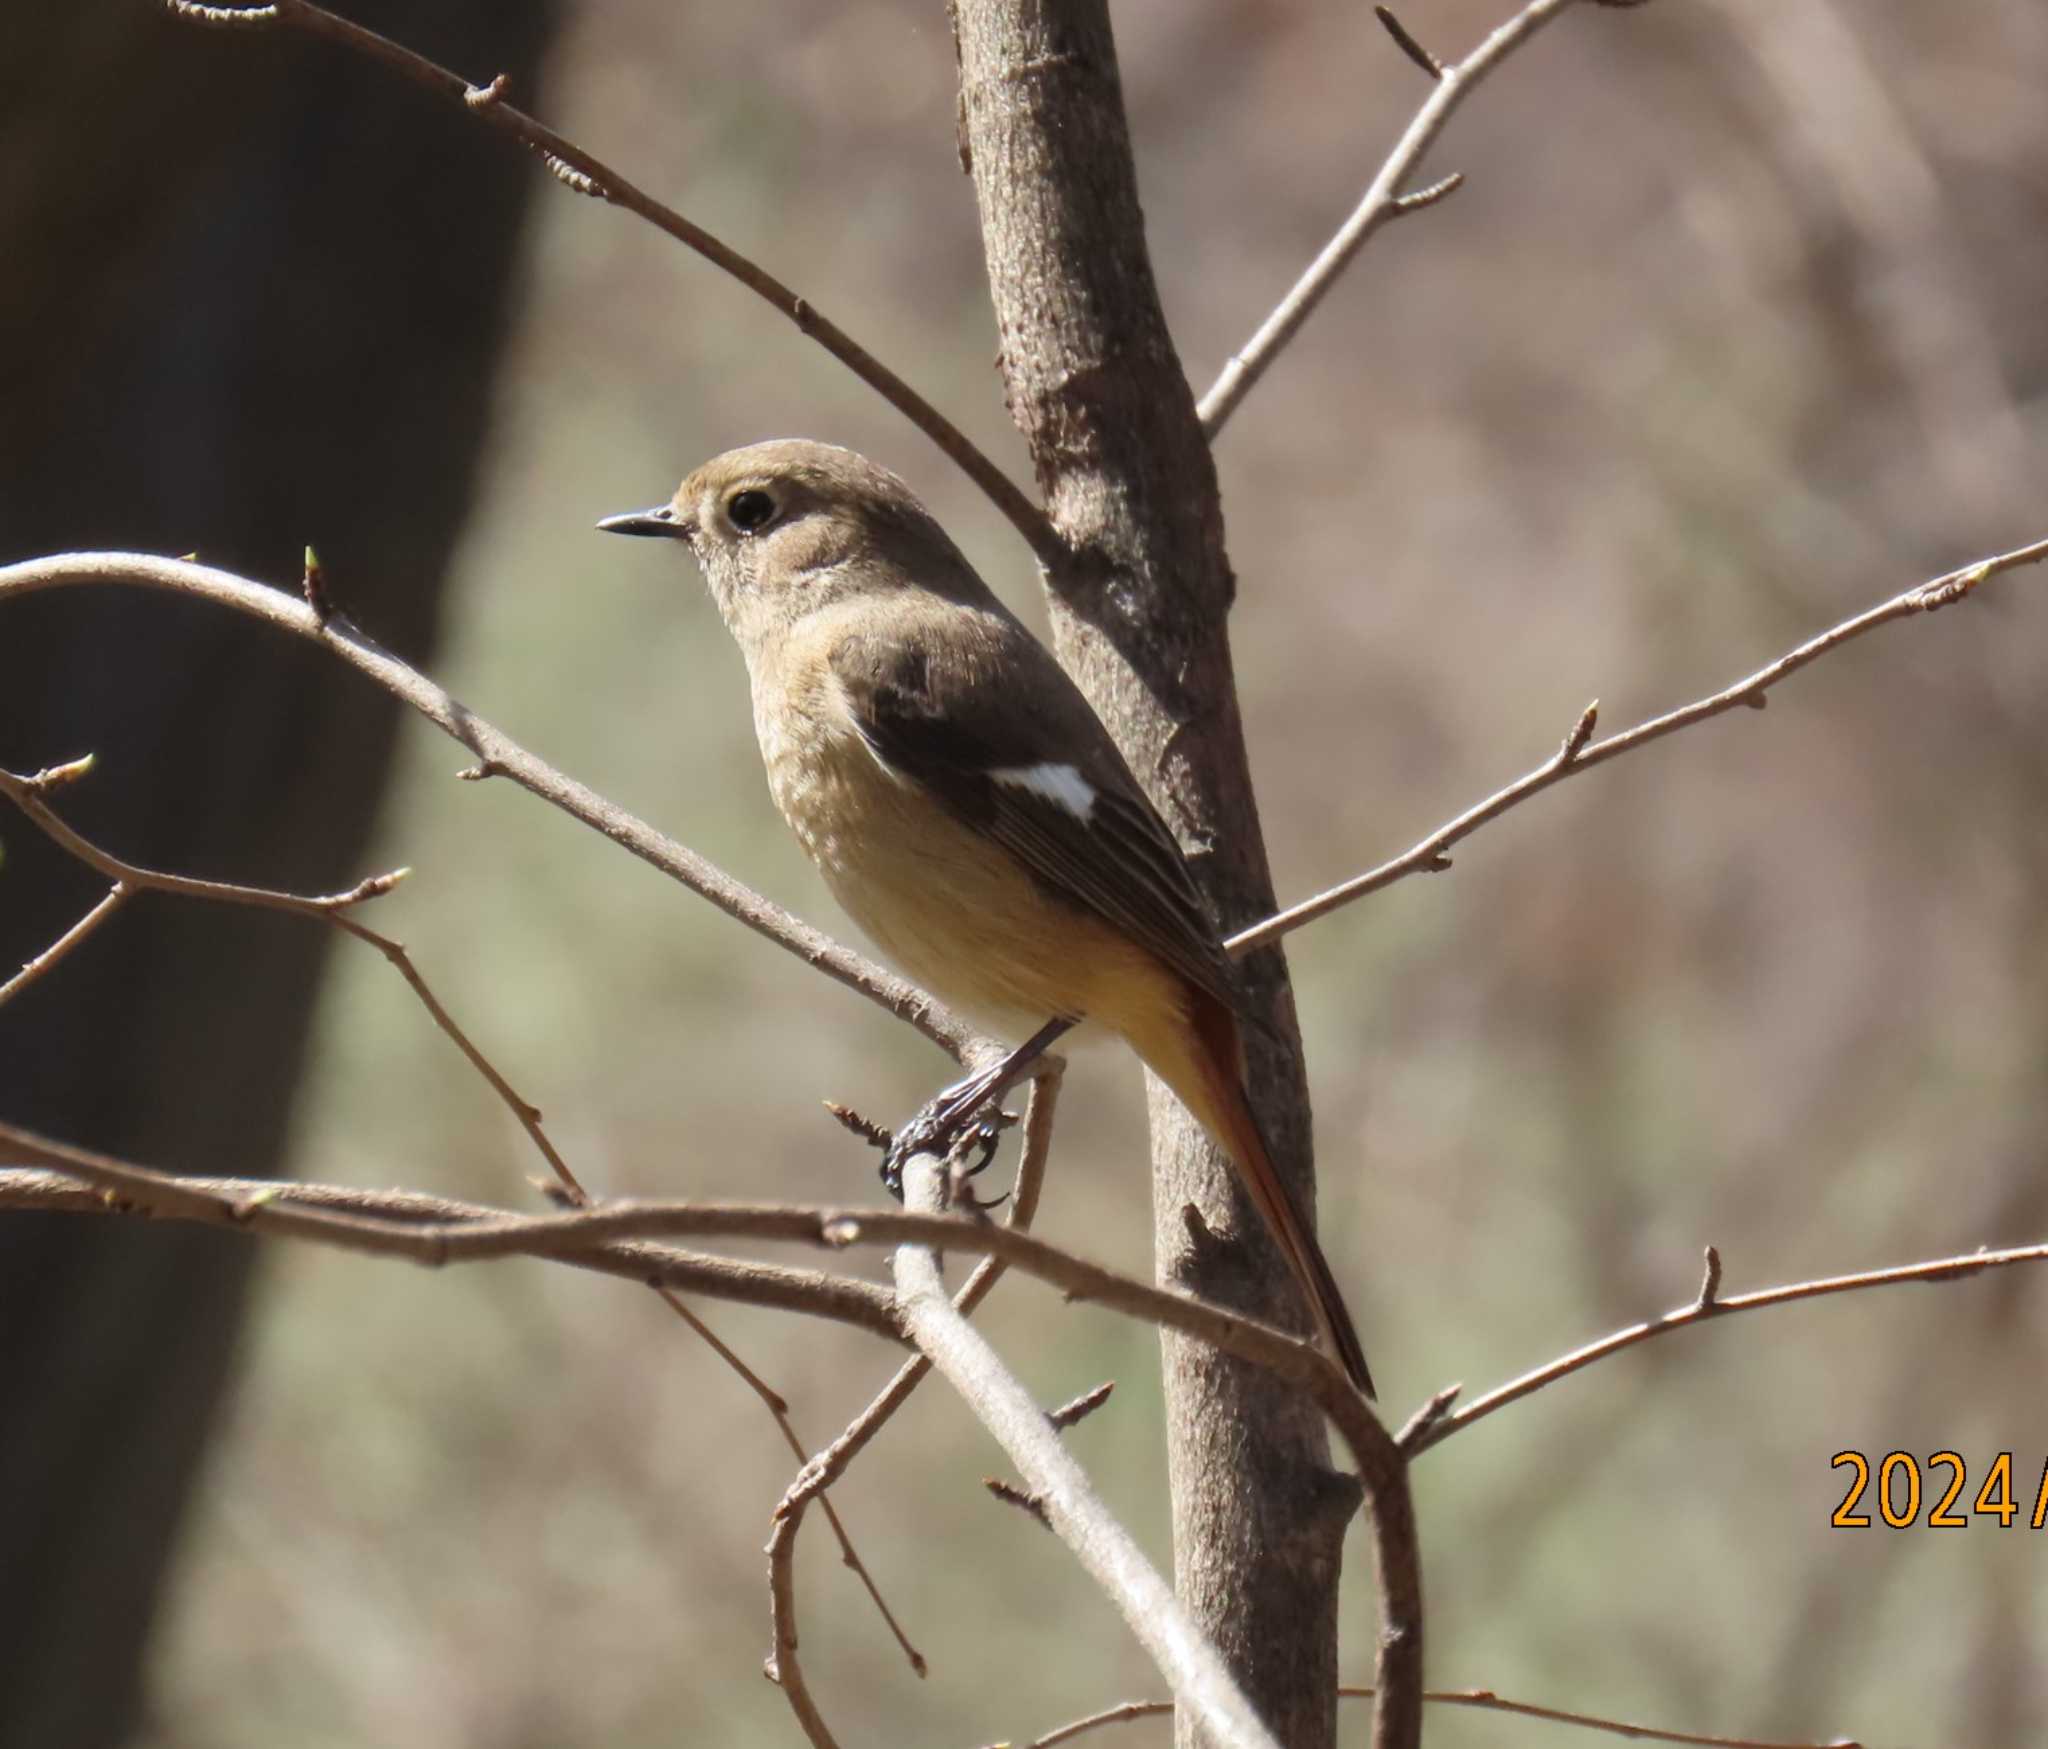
(949, 908)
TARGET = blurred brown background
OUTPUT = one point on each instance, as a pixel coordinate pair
(1737, 327)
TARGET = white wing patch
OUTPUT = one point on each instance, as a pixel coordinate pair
(1061, 785)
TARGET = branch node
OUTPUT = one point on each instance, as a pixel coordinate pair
(1436, 191)
(55, 777)
(1757, 700)
(1068, 1414)
(484, 96)
(1582, 732)
(841, 1232)
(313, 584)
(1436, 862)
(1012, 1495)
(371, 887)
(248, 1207)
(1710, 1283)
(569, 176)
(1952, 589)
(1407, 44)
(1425, 1418)
(866, 1128)
(482, 769)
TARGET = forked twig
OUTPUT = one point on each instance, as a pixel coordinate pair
(1709, 1304)
(783, 1666)
(1200, 1680)
(1579, 752)
(1383, 201)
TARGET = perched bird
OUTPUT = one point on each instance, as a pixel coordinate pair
(961, 799)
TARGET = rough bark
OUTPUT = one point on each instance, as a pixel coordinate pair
(1140, 619)
(252, 298)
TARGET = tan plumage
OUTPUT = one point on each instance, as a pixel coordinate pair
(959, 796)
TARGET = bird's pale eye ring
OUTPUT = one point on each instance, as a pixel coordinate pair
(750, 511)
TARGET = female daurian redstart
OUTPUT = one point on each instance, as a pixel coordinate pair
(960, 798)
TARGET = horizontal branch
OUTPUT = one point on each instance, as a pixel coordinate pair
(1436, 1423)
(434, 1232)
(1480, 1700)
(57, 1178)
(1067, 1502)
(500, 755)
(586, 174)
(1579, 752)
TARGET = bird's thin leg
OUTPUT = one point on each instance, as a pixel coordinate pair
(940, 1124)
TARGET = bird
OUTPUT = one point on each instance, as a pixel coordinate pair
(964, 804)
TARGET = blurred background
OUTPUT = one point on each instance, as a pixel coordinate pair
(1737, 327)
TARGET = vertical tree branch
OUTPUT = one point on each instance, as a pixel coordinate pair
(1138, 615)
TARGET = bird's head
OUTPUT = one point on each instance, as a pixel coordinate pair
(788, 528)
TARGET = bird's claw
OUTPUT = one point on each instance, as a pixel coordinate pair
(952, 1136)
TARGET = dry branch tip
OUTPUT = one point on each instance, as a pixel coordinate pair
(1405, 41)
(1024, 1500)
(55, 777)
(1582, 732)
(1436, 191)
(313, 585)
(1710, 1282)
(1083, 1406)
(193, 12)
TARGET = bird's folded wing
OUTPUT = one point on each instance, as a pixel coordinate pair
(1029, 765)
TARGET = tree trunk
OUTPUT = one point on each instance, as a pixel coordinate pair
(253, 297)
(1139, 619)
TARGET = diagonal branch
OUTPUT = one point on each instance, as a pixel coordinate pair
(1436, 1423)
(109, 903)
(499, 754)
(1383, 201)
(398, 1223)
(1580, 752)
(583, 172)
(1194, 1670)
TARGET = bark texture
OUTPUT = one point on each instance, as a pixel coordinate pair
(253, 297)
(1139, 618)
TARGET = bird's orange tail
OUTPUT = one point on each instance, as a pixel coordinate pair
(1202, 1065)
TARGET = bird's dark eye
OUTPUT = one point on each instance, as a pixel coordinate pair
(749, 511)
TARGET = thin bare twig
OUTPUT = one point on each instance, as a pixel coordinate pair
(110, 902)
(1704, 1308)
(1383, 201)
(28, 793)
(1481, 1699)
(587, 174)
(499, 754)
(1193, 1669)
(397, 1223)
(782, 1666)
(1580, 753)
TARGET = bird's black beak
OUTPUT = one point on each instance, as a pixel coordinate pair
(662, 521)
